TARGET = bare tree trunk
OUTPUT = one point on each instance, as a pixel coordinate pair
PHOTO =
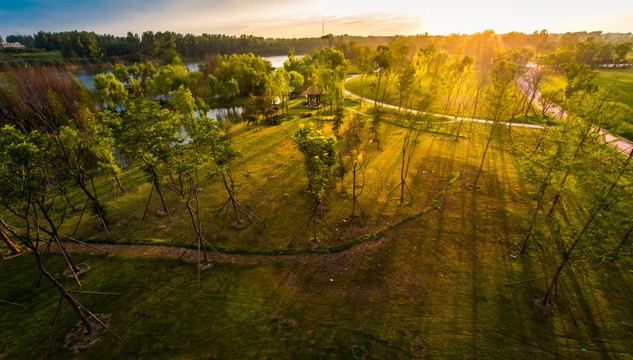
(13, 247)
(483, 158)
(623, 243)
(539, 206)
(567, 254)
(71, 301)
(562, 183)
(232, 198)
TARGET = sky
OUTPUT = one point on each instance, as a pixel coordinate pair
(301, 18)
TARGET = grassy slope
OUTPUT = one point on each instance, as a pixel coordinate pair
(45, 58)
(621, 80)
(270, 179)
(466, 97)
(432, 286)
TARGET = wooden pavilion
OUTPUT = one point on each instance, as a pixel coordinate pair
(313, 94)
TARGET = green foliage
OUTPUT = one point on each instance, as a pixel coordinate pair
(247, 69)
(184, 104)
(110, 91)
(171, 57)
(296, 81)
(145, 133)
(579, 78)
(171, 77)
(208, 138)
(26, 169)
(319, 152)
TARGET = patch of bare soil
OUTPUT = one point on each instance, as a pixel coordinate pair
(417, 347)
(80, 339)
(542, 309)
(12, 256)
(83, 268)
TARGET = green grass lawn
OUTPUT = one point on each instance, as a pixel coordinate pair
(270, 179)
(461, 101)
(621, 81)
(41, 58)
(433, 286)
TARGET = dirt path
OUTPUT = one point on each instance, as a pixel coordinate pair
(191, 255)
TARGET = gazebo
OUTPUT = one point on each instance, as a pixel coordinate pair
(313, 94)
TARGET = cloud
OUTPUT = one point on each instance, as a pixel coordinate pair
(310, 26)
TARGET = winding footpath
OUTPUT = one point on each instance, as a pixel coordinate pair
(526, 86)
(451, 118)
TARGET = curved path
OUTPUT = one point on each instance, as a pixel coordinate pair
(526, 86)
(451, 118)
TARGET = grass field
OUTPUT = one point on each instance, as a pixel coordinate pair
(433, 286)
(42, 58)
(460, 103)
(621, 81)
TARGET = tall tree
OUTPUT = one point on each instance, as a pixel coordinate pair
(145, 134)
(497, 99)
(319, 152)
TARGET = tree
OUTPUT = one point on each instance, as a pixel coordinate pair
(110, 91)
(209, 139)
(601, 202)
(366, 67)
(13, 247)
(405, 83)
(277, 85)
(409, 143)
(28, 175)
(53, 104)
(542, 167)
(145, 134)
(296, 82)
(589, 109)
(579, 78)
(319, 152)
(502, 79)
(358, 159)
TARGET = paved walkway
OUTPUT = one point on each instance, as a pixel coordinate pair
(451, 118)
(525, 85)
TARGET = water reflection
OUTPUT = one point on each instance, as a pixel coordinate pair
(226, 118)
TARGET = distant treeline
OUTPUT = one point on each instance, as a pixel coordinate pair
(592, 48)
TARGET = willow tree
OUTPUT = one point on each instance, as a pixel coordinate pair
(319, 152)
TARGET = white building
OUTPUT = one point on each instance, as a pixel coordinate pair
(4, 44)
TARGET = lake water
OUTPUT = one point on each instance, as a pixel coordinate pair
(222, 115)
(87, 76)
(277, 61)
